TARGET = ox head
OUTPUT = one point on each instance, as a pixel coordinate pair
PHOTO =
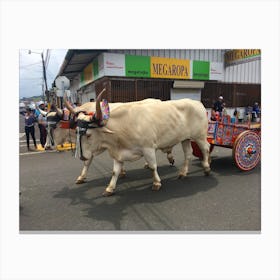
(86, 124)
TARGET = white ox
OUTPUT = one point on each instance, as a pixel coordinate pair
(136, 130)
(59, 132)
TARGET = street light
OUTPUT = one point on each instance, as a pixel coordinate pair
(44, 74)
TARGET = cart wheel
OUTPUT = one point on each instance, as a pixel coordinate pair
(247, 150)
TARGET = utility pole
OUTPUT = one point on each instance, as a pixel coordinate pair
(44, 76)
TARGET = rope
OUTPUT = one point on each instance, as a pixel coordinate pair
(78, 150)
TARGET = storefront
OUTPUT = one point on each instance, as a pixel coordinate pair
(131, 75)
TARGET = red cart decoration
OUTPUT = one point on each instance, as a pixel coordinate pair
(244, 140)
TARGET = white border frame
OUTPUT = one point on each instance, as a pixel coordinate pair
(175, 24)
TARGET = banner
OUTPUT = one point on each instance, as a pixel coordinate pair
(216, 71)
(200, 70)
(114, 64)
(86, 76)
(240, 56)
(170, 68)
(137, 66)
(120, 65)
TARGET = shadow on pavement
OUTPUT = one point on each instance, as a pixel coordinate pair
(113, 209)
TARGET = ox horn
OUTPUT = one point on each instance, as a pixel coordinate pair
(98, 108)
(68, 105)
(42, 112)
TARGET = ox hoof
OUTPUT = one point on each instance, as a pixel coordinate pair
(207, 171)
(182, 175)
(172, 162)
(80, 181)
(122, 175)
(156, 186)
(106, 193)
(146, 166)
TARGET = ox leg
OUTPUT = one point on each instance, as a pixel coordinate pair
(205, 148)
(150, 157)
(186, 145)
(170, 157)
(123, 173)
(82, 177)
(117, 168)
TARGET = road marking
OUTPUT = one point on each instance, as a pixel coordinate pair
(36, 152)
(24, 141)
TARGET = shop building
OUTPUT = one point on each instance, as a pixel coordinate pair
(130, 75)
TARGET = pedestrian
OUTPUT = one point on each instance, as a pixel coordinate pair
(224, 111)
(41, 123)
(248, 112)
(30, 120)
(256, 111)
(219, 105)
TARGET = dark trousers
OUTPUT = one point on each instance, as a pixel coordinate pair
(43, 134)
(30, 130)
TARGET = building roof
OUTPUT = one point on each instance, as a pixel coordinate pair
(76, 60)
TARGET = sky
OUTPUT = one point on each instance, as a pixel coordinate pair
(31, 69)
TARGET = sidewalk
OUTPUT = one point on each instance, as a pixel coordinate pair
(66, 146)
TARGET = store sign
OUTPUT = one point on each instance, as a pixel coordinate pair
(137, 66)
(216, 71)
(120, 65)
(114, 64)
(240, 56)
(200, 70)
(87, 75)
(170, 68)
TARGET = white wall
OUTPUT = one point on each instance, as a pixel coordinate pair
(249, 72)
(179, 93)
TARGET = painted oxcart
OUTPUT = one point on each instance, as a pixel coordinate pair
(243, 138)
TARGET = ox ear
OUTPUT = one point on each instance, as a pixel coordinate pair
(107, 130)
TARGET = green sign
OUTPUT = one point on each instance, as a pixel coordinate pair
(201, 70)
(95, 69)
(137, 66)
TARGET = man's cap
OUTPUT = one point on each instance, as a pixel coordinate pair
(220, 97)
(40, 103)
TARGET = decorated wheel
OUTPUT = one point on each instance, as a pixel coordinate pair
(247, 150)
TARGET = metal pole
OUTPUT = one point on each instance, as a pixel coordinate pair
(45, 77)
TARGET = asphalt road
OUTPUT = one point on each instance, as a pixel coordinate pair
(227, 200)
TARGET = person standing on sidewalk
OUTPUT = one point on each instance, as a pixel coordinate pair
(29, 127)
(41, 122)
(219, 105)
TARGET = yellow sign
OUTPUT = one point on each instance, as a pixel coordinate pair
(88, 74)
(170, 68)
(239, 56)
